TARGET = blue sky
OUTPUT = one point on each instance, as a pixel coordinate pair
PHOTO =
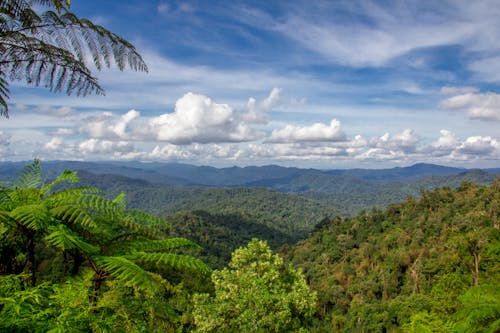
(326, 84)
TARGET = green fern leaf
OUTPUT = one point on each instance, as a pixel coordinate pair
(66, 176)
(31, 176)
(35, 217)
(128, 272)
(72, 214)
(177, 261)
(63, 238)
(163, 245)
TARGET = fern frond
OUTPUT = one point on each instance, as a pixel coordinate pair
(177, 261)
(139, 229)
(4, 95)
(97, 203)
(163, 245)
(73, 214)
(34, 217)
(127, 271)
(121, 201)
(24, 196)
(67, 176)
(63, 238)
(6, 219)
(71, 195)
(31, 176)
(144, 218)
(50, 49)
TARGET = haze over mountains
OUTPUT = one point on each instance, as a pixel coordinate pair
(166, 188)
(285, 179)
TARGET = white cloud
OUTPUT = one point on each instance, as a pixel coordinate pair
(258, 112)
(445, 144)
(108, 125)
(317, 132)
(449, 147)
(405, 141)
(95, 146)
(54, 145)
(381, 37)
(481, 106)
(479, 145)
(197, 119)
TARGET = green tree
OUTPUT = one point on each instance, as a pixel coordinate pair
(257, 293)
(50, 49)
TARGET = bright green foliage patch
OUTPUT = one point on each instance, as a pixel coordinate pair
(257, 293)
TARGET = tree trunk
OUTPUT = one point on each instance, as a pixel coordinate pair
(477, 261)
(30, 249)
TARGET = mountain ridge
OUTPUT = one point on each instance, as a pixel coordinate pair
(268, 176)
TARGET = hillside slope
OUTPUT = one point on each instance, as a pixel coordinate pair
(431, 264)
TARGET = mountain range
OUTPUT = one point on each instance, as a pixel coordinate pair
(284, 179)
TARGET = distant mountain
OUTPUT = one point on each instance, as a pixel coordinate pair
(280, 178)
(416, 170)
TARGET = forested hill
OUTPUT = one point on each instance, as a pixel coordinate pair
(271, 176)
(159, 187)
(426, 265)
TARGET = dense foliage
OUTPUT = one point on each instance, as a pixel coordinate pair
(220, 234)
(257, 293)
(427, 265)
(73, 259)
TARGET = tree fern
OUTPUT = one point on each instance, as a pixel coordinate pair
(50, 49)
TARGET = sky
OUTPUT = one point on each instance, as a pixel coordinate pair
(321, 84)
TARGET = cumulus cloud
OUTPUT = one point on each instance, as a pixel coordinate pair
(95, 146)
(405, 141)
(481, 106)
(197, 119)
(450, 147)
(54, 144)
(317, 132)
(108, 125)
(479, 145)
(257, 111)
(445, 144)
